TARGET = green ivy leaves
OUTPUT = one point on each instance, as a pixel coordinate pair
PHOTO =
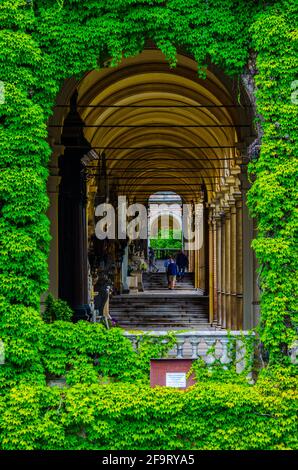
(208, 416)
(40, 47)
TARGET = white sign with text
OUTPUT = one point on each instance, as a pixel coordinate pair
(176, 379)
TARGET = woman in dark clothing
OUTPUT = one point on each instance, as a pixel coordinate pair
(172, 273)
(182, 263)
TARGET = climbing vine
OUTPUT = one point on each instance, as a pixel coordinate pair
(273, 196)
(44, 42)
(209, 416)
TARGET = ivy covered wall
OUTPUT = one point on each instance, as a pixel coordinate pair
(211, 416)
(44, 42)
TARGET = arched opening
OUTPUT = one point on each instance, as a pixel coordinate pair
(139, 129)
(165, 224)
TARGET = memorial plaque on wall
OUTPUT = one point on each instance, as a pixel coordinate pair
(171, 373)
(176, 379)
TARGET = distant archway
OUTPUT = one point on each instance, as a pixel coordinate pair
(165, 223)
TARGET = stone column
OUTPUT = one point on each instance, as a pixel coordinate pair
(73, 245)
(211, 298)
(233, 280)
(52, 213)
(124, 269)
(248, 268)
(73, 266)
(223, 272)
(191, 260)
(218, 268)
(227, 268)
(239, 263)
(196, 257)
(199, 252)
(214, 267)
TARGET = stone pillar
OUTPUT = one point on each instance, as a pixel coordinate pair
(52, 213)
(73, 245)
(191, 260)
(218, 268)
(211, 298)
(73, 265)
(124, 269)
(205, 249)
(214, 268)
(248, 268)
(196, 258)
(223, 272)
(200, 248)
(227, 323)
(239, 263)
(233, 280)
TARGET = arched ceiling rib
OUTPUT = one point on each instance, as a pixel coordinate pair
(148, 94)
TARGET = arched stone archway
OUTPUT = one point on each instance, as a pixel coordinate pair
(146, 128)
(165, 213)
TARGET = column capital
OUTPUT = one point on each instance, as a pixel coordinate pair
(224, 188)
(233, 208)
(53, 183)
(239, 203)
(230, 199)
(237, 195)
(230, 180)
(227, 211)
(218, 219)
(222, 217)
(235, 171)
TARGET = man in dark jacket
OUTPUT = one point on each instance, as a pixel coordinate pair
(172, 271)
(182, 263)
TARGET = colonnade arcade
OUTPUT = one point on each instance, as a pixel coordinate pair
(138, 129)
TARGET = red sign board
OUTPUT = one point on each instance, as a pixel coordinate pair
(171, 373)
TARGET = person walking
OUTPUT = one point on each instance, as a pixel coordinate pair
(182, 264)
(166, 264)
(172, 271)
(152, 266)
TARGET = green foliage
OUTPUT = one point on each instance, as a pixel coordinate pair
(83, 349)
(56, 309)
(80, 352)
(167, 239)
(21, 328)
(208, 416)
(216, 373)
(44, 42)
(273, 196)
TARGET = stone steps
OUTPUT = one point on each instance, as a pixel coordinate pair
(158, 307)
(160, 310)
(158, 281)
(163, 326)
(157, 314)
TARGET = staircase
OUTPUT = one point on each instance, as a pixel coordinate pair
(158, 281)
(159, 311)
(160, 308)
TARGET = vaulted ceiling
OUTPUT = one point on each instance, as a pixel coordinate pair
(162, 128)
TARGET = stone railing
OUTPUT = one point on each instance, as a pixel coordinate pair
(294, 352)
(210, 346)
